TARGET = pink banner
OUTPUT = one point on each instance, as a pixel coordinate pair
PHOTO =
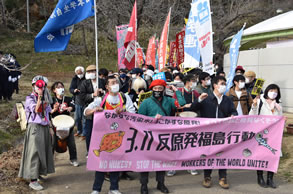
(132, 142)
(121, 32)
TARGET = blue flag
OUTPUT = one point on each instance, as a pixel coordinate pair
(234, 51)
(57, 31)
(191, 45)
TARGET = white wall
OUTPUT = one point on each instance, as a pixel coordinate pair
(275, 65)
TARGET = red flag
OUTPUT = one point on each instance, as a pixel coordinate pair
(139, 59)
(162, 50)
(130, 40)
(180, 47)
(172, 53)
(151, 52)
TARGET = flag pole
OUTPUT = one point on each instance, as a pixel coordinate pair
(135, 34)
(96, 40)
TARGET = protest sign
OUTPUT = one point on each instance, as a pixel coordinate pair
(256, 90)
(132, 142)
(144, 96)
(160, 75)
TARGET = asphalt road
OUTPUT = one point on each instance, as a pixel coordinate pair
(69, 179)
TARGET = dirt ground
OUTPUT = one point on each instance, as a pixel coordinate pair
(70, 180)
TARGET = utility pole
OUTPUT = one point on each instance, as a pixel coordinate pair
(28, 16)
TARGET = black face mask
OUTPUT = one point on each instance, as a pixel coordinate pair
(158, 94)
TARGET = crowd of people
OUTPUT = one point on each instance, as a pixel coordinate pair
(9, 75)
(192, 90)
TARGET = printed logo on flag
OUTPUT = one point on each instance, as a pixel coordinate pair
(57, 31)
(160, 75)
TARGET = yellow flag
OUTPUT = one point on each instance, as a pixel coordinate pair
(186, 20)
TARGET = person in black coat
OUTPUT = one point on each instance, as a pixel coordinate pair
(215, 105)
(75, 91)
(89, 89)
(63, 105)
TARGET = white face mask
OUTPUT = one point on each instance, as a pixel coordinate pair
(60, 91)
(80, 76)
(241, 85)
(208, 82)
(133, 76)
(247, 80)
(177, 81)
(90, 76)
(222, 89)
(193, 86)
(115, 88)
(272, 95)
(147, 77)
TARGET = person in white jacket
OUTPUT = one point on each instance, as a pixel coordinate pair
(267, 104)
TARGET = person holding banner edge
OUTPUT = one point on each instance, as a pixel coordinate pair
(113, 100)
(216, 105)
(268, 103)
(157, 106)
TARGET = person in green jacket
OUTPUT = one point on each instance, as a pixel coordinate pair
(157, 106)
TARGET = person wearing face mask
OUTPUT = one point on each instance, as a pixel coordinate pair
(75, 91)
(63, 105)
(137, 73)
(216, 105)
(113, 100)
(188, 91)
(124, 82)
(268, 103)
(178, 78)
(190, 95)
(157, 106)
(37, 156)
(239, 70)
(250, 79)
(238, 94)
(148, 76)
(90, 89)
(204, 85)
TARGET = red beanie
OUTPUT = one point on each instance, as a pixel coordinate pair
(158, 82)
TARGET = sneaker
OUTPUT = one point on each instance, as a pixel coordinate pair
(74, 163)
(171, 173)
(95, 192)
(36, 186)
(114, 192)
(207, 182)
(223, 183)
(194, 172)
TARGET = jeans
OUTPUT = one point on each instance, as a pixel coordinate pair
(144, 177)
(99, 180)
(88, 132)
(222, 173)
(79, 119)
